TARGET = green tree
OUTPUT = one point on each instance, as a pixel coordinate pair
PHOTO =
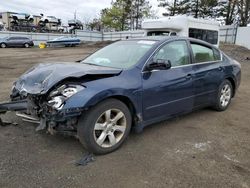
(244, 12)
(140, 9)
(117, 16)
(196, 8)
(95, 24)
(175, 7)
(230, 12)
(125, 14)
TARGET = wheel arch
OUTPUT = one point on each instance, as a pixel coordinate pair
(232, 81)
(127, 101)
(129, 104)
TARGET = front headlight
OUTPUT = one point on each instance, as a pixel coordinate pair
(61, 94)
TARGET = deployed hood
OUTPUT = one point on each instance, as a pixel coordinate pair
(39, 79)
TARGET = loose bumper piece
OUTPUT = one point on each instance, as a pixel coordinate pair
(13, 106)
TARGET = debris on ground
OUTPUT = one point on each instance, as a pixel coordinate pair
(87, 158)
(230, 158)
(6, 123)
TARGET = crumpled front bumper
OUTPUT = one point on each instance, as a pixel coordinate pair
(63, 121)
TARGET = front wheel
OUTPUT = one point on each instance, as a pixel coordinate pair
(224, 96)
(105, 127)
(3, 45)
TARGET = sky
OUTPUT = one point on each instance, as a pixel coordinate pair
(64, 9)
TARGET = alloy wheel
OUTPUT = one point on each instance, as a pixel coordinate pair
(110, 128)
(225, 95)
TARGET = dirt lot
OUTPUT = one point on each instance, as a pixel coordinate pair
(202, 149)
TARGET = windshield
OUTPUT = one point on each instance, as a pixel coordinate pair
(122, 54)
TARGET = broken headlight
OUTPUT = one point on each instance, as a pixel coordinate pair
(61, 94)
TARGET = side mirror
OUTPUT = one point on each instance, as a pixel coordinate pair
(159, 64)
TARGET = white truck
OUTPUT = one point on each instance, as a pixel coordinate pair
(207, 30)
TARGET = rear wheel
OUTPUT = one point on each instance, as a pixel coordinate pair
(26, 45)
(224, 96)
(3, 45)
(105, 127)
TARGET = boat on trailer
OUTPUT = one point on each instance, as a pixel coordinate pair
(64, 41)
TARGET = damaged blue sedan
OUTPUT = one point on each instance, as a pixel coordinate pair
(128, 84)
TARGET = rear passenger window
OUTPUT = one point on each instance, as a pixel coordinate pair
(204, 54)
(176, 52)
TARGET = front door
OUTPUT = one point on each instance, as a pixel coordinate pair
(169, 92)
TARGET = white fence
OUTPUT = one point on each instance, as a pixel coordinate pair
(122, 35)
(89, 35)
(93, 36)
(228, 34)
(243, 37)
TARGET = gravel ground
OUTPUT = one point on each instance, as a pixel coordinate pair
(201, 149)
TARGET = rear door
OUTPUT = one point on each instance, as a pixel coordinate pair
(169, 92)
(208, 72)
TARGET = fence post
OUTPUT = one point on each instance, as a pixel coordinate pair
(235, 35)
(226, 35)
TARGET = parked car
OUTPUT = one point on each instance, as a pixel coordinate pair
(16, 42)
(131, 83)
(50, 19)
(16, 17)
(76, 24)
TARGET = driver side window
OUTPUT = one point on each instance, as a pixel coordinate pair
(176, 52)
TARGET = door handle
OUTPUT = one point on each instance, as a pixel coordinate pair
(189, 76)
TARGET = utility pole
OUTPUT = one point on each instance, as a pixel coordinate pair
(75, 15)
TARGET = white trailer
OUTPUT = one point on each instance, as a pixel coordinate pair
(207, 30)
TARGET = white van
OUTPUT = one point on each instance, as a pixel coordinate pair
(206, 30)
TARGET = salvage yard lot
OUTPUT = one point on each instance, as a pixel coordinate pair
(202, 149)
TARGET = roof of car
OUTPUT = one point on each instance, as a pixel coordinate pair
(161, 39)
(156, 38)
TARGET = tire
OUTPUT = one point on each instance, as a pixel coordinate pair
(26, 45)
(105, 127)
(224, 96)
(3, 45)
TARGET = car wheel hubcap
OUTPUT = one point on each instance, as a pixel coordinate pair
(225, 95)
(110, 128)
(3, 45)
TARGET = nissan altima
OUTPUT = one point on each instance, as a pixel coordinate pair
(127, 84)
